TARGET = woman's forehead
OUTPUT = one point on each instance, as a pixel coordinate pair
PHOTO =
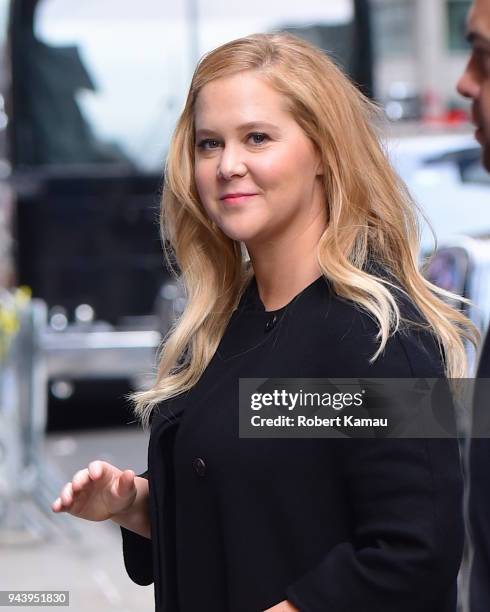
(240, 99)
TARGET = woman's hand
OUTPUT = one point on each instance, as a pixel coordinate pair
(97, 493)
(283, 606)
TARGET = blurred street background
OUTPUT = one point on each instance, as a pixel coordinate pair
(89, 95)
(87, 562)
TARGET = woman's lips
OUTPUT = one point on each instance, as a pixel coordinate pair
(238, 199)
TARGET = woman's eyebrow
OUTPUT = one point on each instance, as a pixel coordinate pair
(243, 126)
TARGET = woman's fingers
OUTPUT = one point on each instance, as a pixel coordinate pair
(63, 502)
(78, 482)
(125, 482)
(80, 479)
(94, 490)
(96, 469)
(67, 494)
(57, 505)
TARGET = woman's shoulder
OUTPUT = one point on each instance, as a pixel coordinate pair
(349, 332)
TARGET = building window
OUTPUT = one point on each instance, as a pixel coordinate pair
(457, 11)
(393, 28)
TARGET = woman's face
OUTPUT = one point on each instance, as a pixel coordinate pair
(248, 143)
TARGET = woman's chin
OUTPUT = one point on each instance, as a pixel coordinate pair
(241, 234)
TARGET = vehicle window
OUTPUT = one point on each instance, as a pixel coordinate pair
(475, 173)
(467, 161)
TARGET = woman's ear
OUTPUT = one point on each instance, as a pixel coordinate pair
(319, 162)
(319, 168)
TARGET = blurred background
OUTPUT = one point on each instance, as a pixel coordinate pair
(89, 95)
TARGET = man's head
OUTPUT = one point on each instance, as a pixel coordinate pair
(475, 81)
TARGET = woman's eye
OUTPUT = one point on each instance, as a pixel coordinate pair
(209, 144)
(208, 141)
(258, 137)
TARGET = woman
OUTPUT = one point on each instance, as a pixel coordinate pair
(275, 150)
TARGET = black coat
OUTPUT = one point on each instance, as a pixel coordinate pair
(333, 525)
(479, 504)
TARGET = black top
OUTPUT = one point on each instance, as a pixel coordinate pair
(338, 525)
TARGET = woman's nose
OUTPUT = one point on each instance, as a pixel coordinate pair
(231, 163)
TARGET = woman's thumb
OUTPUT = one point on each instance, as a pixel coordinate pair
(126, 482)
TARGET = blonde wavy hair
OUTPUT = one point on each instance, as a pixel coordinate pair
(371, 217)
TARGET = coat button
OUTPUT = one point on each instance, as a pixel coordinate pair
(199, 466)
(271, 323)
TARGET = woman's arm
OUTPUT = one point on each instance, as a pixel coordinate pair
(406, 548)
(406, 506)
